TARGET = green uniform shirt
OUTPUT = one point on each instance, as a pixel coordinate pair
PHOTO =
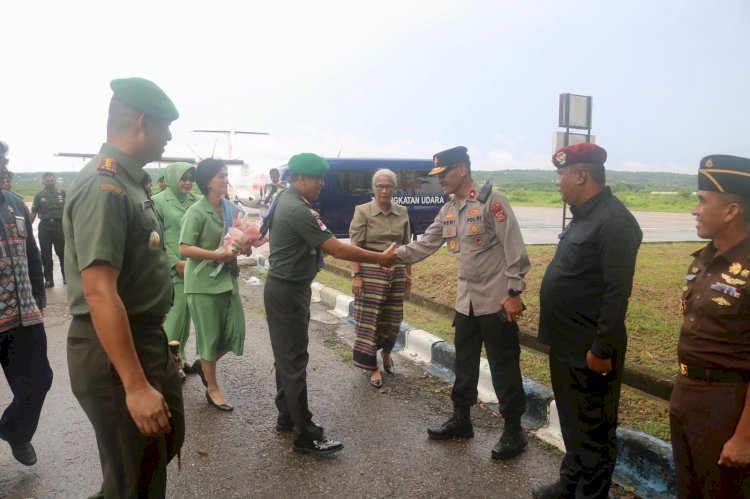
(171, 208)
(203, 227)
(49, 203)
(108, 217)
(295, 235)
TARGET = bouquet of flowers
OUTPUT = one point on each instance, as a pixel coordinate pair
(245, 231)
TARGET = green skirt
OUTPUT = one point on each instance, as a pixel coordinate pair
(219, 323)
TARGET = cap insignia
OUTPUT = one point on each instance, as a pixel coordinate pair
(709, 163)
(561, 157)
(437, 162)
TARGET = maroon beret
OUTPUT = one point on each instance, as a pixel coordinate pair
(579, 153)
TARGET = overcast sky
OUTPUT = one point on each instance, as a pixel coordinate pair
(670, 79)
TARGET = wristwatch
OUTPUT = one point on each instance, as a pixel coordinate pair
(355, 274)
(514, 292)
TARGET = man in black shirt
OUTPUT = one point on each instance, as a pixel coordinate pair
(583, 300)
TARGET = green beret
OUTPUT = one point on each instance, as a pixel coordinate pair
(723, 173)
(146, 97)
(309, 165)
(160, 177)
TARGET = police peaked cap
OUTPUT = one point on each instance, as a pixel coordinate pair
(145, 96)
(445, 160)
(584, 152)
(308, 164)
(723, 173)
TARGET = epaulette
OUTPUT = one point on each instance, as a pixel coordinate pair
(485, 192)
(107, 166)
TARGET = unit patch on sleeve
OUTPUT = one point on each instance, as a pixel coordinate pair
(316, 216)
(497, 210)
(111, 188)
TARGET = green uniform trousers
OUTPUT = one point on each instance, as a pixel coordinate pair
(132, 465)
(177, 325)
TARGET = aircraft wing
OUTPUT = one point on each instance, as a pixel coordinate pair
(164, 159)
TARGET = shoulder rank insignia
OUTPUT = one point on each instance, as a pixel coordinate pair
(733, 281)
(472, 194)
(735, 268)
(721, 301)
(107, 164)
(111, 188)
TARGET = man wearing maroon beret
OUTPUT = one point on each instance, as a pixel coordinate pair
(583, 301)
(709, 413)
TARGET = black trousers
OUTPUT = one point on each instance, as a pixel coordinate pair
(587, 404)
(288, 314)
(501, 342)
(23, 355)
(133, 465)
(51, 234)
(702, 418)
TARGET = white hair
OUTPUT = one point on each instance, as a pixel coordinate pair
(387, 173)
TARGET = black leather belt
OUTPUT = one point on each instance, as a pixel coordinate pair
(719, 375)
(134, 320)
(287, 281)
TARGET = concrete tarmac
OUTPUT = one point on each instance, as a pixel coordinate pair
(387, 452)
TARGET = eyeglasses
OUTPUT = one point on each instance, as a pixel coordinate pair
(385, 187)
(186, 179)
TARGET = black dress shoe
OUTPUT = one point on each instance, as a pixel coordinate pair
(555, 490)
(221, 407)
(321, 447)
(377, 383)
(49, 284)
(187, 368)
(198, 369)
(511, 444)
(24, 453)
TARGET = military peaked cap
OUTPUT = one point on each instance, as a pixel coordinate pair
(445, 160)
(723, 173)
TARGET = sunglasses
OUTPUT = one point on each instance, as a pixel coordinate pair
(186, 179)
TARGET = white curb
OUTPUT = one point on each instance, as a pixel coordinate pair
(342, 306)
(315, 287)
(485, 387)
(552, 433)
(419, 345)
(328, 296)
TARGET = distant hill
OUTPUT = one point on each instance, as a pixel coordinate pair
(619, 181)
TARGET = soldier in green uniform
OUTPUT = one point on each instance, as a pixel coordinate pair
(171, 205)
(48, 205)
(297, 239)
(119, 291)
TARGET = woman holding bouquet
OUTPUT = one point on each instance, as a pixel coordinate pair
(214, 300)
(378, 292)
(171, 204)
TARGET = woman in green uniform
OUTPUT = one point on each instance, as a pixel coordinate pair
(171, 205)
(214, 301)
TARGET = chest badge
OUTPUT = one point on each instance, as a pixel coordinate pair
(478, 241)
(745, 273)
(154, 240)
(474, 229)
(733, 281)
(721, 301)
(735, 268)
(452, 244)
(695, 270)
(474, 211)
